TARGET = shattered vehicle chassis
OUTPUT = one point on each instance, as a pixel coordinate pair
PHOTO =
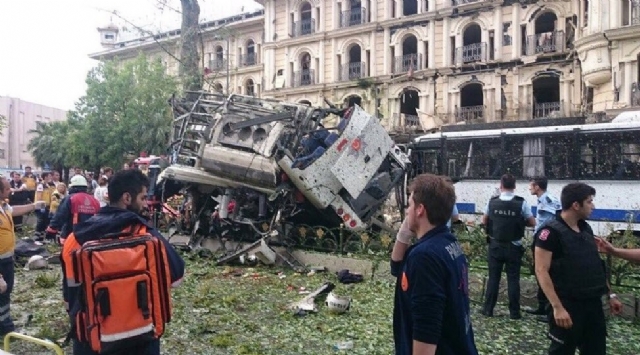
(256, 170)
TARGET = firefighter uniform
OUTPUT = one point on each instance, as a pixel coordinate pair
(579, 279)
(507, 215)
(7, 246)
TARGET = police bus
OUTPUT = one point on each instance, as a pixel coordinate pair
(603, 155)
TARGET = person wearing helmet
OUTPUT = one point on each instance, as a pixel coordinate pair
(77, 207)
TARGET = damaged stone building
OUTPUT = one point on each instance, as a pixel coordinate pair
(419, 63)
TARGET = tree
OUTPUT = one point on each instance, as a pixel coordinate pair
(48, 145)
(124, 112)
(189, 69)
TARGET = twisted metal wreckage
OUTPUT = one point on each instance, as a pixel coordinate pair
(255, 170)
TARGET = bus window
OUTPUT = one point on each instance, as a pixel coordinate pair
(476, 159)
(559, 157)
(533, 157)
(599, 155)
(628, 167)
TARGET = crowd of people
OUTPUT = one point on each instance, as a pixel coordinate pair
(116, 264)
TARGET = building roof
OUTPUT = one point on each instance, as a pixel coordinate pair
(209, 26)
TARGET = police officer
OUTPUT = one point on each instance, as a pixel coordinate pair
(547, 209)
(505, 218)
(572, 276)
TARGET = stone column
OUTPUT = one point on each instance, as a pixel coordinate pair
(387, 51)
(334, 61)
(320, 71)
(628, 79)
(445, 97)
(432, 45)
(431, 100)
(497, 34)
(516, 42)
(446, 50)
(398, 8)
(565, 98)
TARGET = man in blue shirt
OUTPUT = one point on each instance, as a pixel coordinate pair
(505, 218)
(431, 311)
(547, 209)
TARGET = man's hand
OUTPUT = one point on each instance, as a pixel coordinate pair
(562, 317)
(405, 234)
(39, 205)
(615, 306)
(604, 246)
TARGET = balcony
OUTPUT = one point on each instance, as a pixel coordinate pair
(352, 71)
(404, 123)
(353, 17)
(303, 27)
(247, 60)
(547, 109)
(462, 2)
(475, 52)
(303, 77)
(218, 64)
(469, 113)
(402, 64)
(548, 42)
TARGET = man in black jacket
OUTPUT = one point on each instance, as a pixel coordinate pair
(572, 276)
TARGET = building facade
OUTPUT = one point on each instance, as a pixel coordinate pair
(420, 63)
(20, 118)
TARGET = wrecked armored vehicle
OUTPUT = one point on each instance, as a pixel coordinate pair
(249, 163)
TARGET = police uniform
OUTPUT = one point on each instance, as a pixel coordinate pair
(547, 210)
(507, 215)
(7, 246)
(579, 280)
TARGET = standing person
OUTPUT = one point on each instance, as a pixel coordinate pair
(547, 209)
(506, 217)
(7, 246)
(19, 196)
(31, 181)
(573, 278)
(76, 208)
(101, 192)
(44, 191)
(431, 311)
(127, 198)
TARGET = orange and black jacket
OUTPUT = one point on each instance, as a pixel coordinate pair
(109, 220)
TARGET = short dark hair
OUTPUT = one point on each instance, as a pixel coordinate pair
(575, 192)
(508, 181)
(108, 170)
(131, 181)
(540, 181)
(437, 196)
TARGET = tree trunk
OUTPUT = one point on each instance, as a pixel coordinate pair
(189, 69)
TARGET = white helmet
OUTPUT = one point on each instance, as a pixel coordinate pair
(78, 181)
(36, 262)
(338, 304)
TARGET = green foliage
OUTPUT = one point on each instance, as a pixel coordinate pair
(124, 112)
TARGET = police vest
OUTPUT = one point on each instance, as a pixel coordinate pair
(579, 273)
(507, 222)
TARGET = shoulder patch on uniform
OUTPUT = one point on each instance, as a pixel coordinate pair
(544, 234)
(404, 282)
(549, 199)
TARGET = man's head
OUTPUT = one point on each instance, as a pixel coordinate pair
(27, 169)
(5, 189)
(55, 176)
(577, 199)
(507, 182)
(77, 171)
(538, 185)
(128, 190)
(16, 176)
(431, 202)
(108, 172)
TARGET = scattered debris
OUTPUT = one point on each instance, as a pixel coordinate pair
(346, 277)
(338, 304)
(307, 304)
(36, 262)
(344, 345)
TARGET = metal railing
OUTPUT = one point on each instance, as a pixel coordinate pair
(248, 59)
(402, 64)
(353, 17)
(475, 52)
(218, 64)
(303, 27)
(547, 109)
(351, 71)
(635, 12)
(469, 113)
(462, 2)
(548, 42)
(401, 122)
(303, 77)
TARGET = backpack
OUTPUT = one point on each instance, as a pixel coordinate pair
(124, 293)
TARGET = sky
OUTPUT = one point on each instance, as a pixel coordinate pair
(44, 44)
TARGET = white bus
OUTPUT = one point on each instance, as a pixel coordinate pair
(603, 155)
